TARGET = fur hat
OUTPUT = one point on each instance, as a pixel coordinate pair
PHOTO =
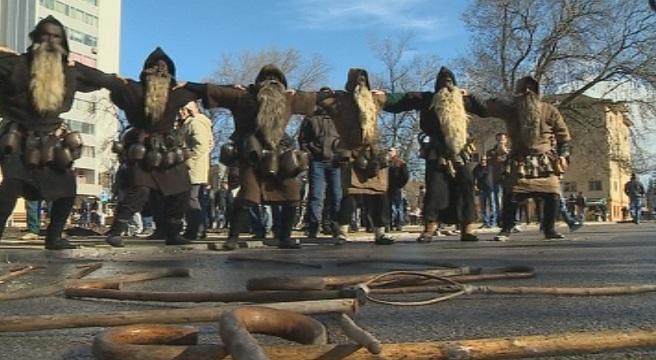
(442, 75)
(527, 82)
(35, 34)
(268, 71)
(352, 78)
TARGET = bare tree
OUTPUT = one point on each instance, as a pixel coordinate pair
(302, 74)
(403, 72)
(570, 46)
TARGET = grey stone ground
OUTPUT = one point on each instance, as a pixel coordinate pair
(597, 255)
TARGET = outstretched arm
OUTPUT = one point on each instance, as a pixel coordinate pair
(8, 58)
(216, 96)
(303, 102)
(400, 102)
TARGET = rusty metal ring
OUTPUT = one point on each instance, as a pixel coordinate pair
(153, 342)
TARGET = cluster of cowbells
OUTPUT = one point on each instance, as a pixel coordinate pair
(57, 151)
(282, 163)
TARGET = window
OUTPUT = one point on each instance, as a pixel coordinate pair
(50, 4)
(61, 7)
(569, 186)
(90, 19)
(88, 151)
(594, 185)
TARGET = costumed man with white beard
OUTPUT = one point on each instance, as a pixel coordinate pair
(36, 149)
(355, 115)
(538, 156)
(447, 150)
(152, 154)
(268, 169)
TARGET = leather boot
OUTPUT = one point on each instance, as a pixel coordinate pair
(114, 234)
(173, 236)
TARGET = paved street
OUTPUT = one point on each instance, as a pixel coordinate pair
(596, 255)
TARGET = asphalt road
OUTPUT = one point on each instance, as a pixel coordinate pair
(597, 255)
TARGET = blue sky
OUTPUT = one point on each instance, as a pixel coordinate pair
(196, 32)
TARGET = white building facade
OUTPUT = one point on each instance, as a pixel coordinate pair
(93, 28)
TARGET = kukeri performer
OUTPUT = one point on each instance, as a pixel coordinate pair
(36, 149)
(538, 156)
(447, 150)
(151, 152)
(355, 114)
(268, 169)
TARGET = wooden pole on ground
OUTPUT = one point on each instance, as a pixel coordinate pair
(477, 349)
(238, 296)
(113, 282)
(18, 272)
(166, 316)
(333, 282)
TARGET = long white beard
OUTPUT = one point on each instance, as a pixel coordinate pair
(272, 116)
(157, 95)
(367, 115)
(450, 110)
(47, 82)
(529, 111)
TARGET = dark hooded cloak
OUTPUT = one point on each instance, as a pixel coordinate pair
(130, 98)
(243, 105)
(16, 106)
(448, 199)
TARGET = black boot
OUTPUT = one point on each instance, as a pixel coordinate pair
(285, 240)
(114, 234)
(193, 224)
(173, 235)
(59, 244)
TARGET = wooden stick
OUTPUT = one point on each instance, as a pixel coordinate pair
(18, 272)
(112, 282)
(239, 296)
(86, 270)
(359, 335)
(477, 349)
(167, 316)
(558, 291)
(332, 282)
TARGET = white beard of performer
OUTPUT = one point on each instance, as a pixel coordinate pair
(157, 95)
(450, 110)
(367, 114)
(47, 82)
(529, 111)
(271, 119)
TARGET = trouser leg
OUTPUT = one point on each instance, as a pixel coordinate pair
(130, 201)
(10, 190)
(61, 209)
(549, 212)
(176, 206)
(194, 213)
(33, 208)
(317, 193)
